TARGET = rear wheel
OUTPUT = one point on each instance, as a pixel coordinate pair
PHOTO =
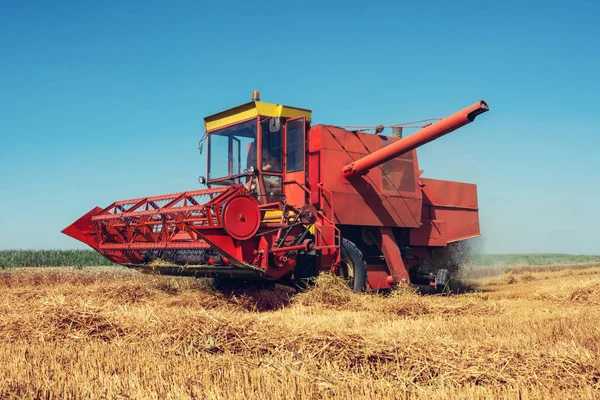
(353, 267)
(442, 280)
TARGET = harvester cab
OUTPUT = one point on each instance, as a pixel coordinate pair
(261, 146)
(286, 200)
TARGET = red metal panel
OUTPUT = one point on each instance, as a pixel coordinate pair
(364, 201)
(83, 230)
(453, 202)
(377, 276)
(431, 233)
(461, 224)
(376, 210)
(355, 141)
(449, 194)
(393, 258)
(314, 163)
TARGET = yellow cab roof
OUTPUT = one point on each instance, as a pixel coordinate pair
(253, 109)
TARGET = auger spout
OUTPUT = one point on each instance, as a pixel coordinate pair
(425, 135)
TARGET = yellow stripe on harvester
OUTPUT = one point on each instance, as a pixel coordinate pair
(274, 216)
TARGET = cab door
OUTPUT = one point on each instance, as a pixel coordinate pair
(294, 175)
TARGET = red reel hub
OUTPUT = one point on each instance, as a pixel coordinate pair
(241, 218)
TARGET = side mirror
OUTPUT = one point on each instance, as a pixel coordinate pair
(202, 180)
(200, 146)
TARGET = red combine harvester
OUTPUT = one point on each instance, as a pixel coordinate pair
(287, 200)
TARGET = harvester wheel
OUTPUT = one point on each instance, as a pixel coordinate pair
(442, 280)
(353, 267)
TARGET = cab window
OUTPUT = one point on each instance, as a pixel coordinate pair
(272, 150)
(232, 151)
(294, 133)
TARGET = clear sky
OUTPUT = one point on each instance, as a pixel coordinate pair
(103, 101)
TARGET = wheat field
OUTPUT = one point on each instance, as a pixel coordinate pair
(109, 333)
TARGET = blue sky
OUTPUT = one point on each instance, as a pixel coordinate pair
(102, 101)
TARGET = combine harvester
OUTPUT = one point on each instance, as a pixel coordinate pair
(286, 200)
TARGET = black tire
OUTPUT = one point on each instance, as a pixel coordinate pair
(442, 280)
(353, 267)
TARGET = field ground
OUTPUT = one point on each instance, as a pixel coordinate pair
(107, 332)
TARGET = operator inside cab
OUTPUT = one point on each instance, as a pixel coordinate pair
(272, 154)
